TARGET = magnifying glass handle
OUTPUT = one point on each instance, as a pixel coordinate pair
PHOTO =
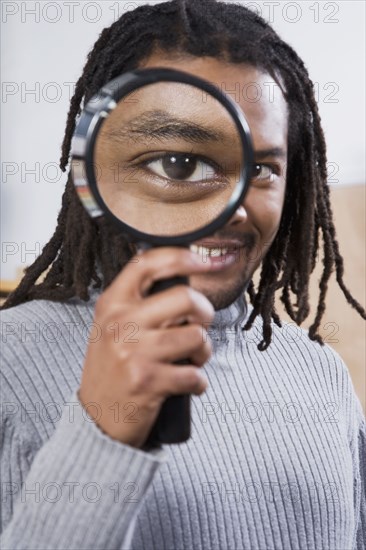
(173, 424)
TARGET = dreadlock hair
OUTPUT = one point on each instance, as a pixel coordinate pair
(224, 31)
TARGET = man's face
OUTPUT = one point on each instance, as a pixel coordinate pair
(253, 227)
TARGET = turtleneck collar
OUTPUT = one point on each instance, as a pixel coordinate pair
(233, 316)
(227, 324)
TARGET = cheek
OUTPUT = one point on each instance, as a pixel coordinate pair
(264, 209)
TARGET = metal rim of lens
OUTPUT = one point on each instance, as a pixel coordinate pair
(96, 112)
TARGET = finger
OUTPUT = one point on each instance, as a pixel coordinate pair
(152, 265)
(172, 344)
(180, 379)
(172, 307)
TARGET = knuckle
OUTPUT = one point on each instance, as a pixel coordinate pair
(207, 309)
(174, 256)
(188, 297)
(193, 378)
(194, 300)
(197, 335)
(202, 357)
(124, 355)
(167, 260)
(163, 339)
(141, 378)
(174, 259)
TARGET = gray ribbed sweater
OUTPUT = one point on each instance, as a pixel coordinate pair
(277, 458)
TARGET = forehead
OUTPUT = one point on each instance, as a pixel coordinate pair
(255, 91)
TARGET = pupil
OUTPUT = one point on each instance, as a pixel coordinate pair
(179, 166)
(256, 169)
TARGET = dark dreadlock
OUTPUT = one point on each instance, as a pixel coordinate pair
(220, 30)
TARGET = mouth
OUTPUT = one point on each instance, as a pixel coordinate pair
(216, 248)
(220, 254)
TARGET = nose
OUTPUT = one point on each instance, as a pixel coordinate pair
(240, 216)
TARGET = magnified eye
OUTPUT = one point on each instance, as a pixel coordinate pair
(181, 166)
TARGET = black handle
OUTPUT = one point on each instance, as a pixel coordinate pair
(173, 424)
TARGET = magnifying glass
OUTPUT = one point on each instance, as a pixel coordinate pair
(167, 158)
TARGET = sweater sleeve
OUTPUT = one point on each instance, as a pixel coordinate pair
(83, 489)
(360, 477)
(355, 425)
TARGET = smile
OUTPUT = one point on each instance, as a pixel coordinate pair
(217, 247)
(217, 251)
(219, 256)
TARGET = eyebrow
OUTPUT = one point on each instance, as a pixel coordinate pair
(273, 152)
(161, 125)
(158, 124)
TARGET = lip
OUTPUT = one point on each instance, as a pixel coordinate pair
(224, 261)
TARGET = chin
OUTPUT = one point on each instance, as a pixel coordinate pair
(220, 295)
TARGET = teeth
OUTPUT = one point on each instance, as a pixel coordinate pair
(217, 251)
(204, 251)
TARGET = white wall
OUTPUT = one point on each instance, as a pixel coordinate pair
(44, 46)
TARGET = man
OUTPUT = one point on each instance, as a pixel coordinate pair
(251, 476)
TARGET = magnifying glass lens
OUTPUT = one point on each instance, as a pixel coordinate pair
(168, 159)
